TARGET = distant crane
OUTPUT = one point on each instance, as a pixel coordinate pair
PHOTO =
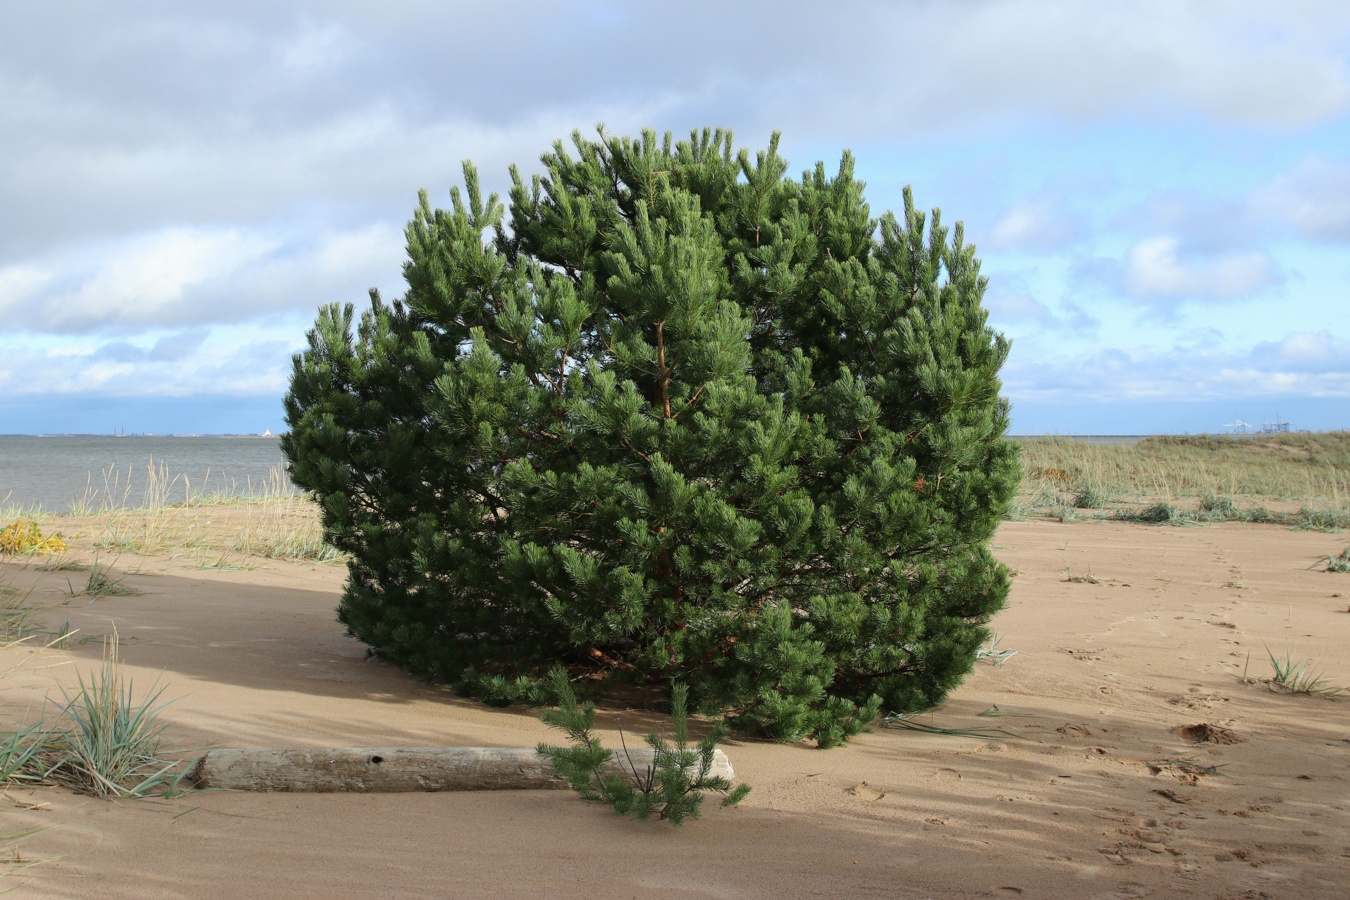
(1238, 426)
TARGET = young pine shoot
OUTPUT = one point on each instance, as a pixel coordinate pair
(671, 787)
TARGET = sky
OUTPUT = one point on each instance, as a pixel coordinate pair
(1159, 190)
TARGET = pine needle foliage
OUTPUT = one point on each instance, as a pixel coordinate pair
(671, 787)
(669, 416)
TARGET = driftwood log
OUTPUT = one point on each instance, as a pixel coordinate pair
(394, 769)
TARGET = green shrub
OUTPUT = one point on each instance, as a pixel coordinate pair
(673, 417)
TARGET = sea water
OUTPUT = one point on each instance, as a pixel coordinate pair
(58, 472)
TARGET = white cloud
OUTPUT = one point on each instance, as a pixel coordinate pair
(1318, 351)
(1245, 63)
(142, 118)
(1203, 222)
(142, 281)
(69, 352)
(316, 48)
(1014, 307)
(1311, 364)
(185, 276)
(166, 348)
(168, 168)
(1036, 224)
(1020, 314)
(1155, 268)
(20, 282)
(356, 164)
(175, 364)
(1079, 319)
(1313, 197)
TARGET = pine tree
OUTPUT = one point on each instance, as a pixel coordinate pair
(672, 416)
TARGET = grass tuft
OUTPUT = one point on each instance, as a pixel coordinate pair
(993, 653)
(101, 583)
(20, 755)
(1069, 575)
(108, 742)
(1294, 676)
(1339, 563)
(1090, 497)
(1066, 513)
(1219, 508)
(1155, 514)
(1260, 515)
(14, 612)
(905, 721)
(61, 563)
(105, 741)
(1321, 518)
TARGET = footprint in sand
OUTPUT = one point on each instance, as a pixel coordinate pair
(1183, 770)
(1198, 701)
(1169, 794)
(866, 793)
(1141, 838)
(1205, 733)
(1132, 892)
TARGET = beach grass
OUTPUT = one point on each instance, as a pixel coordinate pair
(104, 741)
(1294, 676)
(16, 609)
(130, 512)
(1294, 479)
(109, 739)
(1339, 563)
(101, 582)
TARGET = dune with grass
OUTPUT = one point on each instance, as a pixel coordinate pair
(1158, 714)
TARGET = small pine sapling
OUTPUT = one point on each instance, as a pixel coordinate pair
(671, 786)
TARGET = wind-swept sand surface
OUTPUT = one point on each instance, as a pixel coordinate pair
(1142, 764)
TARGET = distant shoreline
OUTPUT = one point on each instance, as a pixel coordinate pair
(1088, 438)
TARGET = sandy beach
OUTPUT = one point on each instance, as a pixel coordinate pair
(1137, 761)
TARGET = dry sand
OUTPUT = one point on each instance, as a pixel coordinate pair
(1141, 665)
